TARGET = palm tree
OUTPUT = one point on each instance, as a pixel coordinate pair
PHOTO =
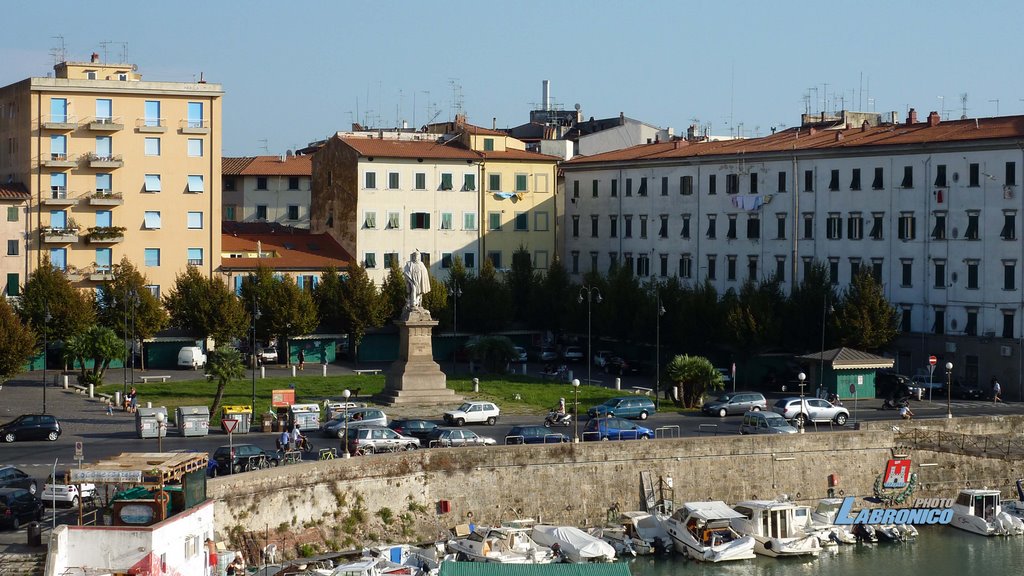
(224, 365)
(693, 377)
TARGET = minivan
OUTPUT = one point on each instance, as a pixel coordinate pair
(735, 403)
(624, 407)
(191, 357)
(765, 423)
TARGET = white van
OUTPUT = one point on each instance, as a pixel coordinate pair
(191, 357)
(765, 423)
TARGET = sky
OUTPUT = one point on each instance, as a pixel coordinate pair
(297, 71)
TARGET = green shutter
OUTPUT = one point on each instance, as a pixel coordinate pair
(13, 287)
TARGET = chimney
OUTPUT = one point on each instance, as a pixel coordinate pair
(94, 58)
(839, 136)
(813, 131)
(912, 117)
(460, 120)
(622, 119)
(545, 97)
(494, 122)
(933, 118)
(864, 126)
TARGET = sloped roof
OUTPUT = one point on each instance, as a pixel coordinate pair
(14, 191)
(291, 248)
(849, 359)
(519, 155)
(409, 149)
(267, 166)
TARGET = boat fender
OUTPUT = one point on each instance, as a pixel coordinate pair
(768, 545)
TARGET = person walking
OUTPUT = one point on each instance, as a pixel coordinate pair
(997, 391)
(302, 359)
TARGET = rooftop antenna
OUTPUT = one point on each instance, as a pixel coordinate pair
(807, 102)
(265, 147)
(942, 107)
(59, 53)
(963, 105)
(457, 101)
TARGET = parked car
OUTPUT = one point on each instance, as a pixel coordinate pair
(765, 423)
(601, 356)
(811, 410)
(420, 429)
(242, 458)
(454, 437)
(31, 427)
(375, 439)
(357, 417)
(624, 407)
(267, 355)
(547, 355)
(473, 412)
(534, 434)
(18, 505)
(620, 366)
(572, 354)
(612, 428)
(11, 477)
(926, 383)
(520, 354)
(191, 357)
(965, 391)
(735, 403)
(63, 492)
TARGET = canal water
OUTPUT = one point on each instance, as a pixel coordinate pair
(938, 551)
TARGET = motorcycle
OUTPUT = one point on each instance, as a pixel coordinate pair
(895, 403)
(305, 445)
(557, 419)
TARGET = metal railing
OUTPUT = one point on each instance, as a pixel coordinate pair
(670, 431)
(193, 124)
(1009, 447)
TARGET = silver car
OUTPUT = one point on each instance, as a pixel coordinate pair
(811, 410)
(442, 437)
(735, 403)
(356, 418)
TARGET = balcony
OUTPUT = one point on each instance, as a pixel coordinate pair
(62, 123)
(59, 197)
(105, 235)
(194, 127)
(57, 161)
(106, 124)
(195, 261)
(74, 274)
(104, 161)
(106, 198)
(60, 235)
(151, 125)
(98, 273)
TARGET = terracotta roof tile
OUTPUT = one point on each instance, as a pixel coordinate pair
(409, 149)
(519, 155)
(14, 191)
(267, 166)
(292, 248)
(234, 166)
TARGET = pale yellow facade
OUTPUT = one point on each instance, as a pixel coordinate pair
(137, 162)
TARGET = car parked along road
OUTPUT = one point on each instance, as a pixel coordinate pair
(31, 427)
(734, 403)
(473, 413)
(811, 410)
(625, 407)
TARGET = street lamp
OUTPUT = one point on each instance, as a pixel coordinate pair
(346, 394)
(161, 424)
(801, 417)
(133, 297)
(455, 291)
(46, 321)
(575, 410)
(949, 388)
(593, 295)
(255, 316)
(657, 349)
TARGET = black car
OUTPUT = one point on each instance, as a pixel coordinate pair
(242, 458)
(966, 391)
(18, 505)
(534, 434)
(11, 477)
(620, 367)
(31, 427)
(416, 428)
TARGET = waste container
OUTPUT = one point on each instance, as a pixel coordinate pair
(193, 420)
(306, 416)
(35, 534)
(283, 419)
(146, 424)
(241, 413)
(268, 422)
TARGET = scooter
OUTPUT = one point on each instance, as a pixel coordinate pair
(895, 403)
(557, 419)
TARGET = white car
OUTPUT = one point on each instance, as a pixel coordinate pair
(601, 357)
(813, 410)
(572, 354)
(191, 357)
(70, 494)
(520, 354)
(473, 412)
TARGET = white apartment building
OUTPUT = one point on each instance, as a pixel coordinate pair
(273, 189)
(932, 208)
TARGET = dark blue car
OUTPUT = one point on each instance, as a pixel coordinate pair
(535, 434)
(613, 428)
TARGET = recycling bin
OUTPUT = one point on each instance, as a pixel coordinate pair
(35, 534)
(268, 422)
(305, 416)
(146, 423)
(241, 413)
(193, 420)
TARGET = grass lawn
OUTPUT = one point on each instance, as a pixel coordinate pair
(514, 394)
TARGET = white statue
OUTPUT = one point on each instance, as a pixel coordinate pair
(417, 282)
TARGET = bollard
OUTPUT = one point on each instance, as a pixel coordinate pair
(149, 404)
(92, 390)
(325, 370)
(524, 368)
(263, 372)
(569, 377)
(618, 383)
(117, 399)
(65, 382)
(293, 371)
(476, 384)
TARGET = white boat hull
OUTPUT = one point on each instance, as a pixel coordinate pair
(738, 548)
(783, 547)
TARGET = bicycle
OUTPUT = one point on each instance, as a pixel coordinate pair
(328, 453)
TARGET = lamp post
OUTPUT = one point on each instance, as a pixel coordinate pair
(346, 394)
(46, 321)
(657, 348)
(128, 351)
(593, 295)
(800, 417)
(133, 297)
(455, 291)
(255, 317)
(161, 423)
(575, 410)
(949, 388)
(825, 309)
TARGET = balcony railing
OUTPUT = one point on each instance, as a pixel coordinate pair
(59, 197)
(57, 160)
(53, 235)
(195, 261)
(59, 122)
(105, 234)
(96, 161)
(106, 198)
(106, 124)
(151, 125)
(101, 273)
(194, 126)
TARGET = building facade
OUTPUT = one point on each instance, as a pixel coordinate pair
(931, 208)
(274, 189)
(115, 167)
(14, 233)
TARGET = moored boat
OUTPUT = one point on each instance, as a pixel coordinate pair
(979, 510)
(823, 517)
(703, 531)
(775, 529)
(502, 545)
(573, 543)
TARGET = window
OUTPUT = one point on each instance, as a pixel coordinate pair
(855, 226)
(731, 230)
(940, 321)
(58, 147)
(446, 220)
(907, 272)
(664, 185)
(104, 218)
(753, 182)
(261, 211)
(643, 265)
(446, 260)
(627, 226)
(972, 274)
(104, 146)
(629, 186)
(782, 181)
(808, 226)
(854, 267)
(974, 175)
(495, 258)
(752, 268)
(104, 110)
(686, 185)
(494, 221)
(151, 147)
(261, 182)
(663, 265)
(876, 225)
(540, 259)
(370, 260)
(780, 226)
(574, 266)
(593, 226)
(1009, 231)
(833, 271)
(834, 226)
(391, 259)
(370, 220)
(940, 175)
(293, 182)
(468, 182)
(393, 181)
(908, 177)
(808, 180)
(59, 258)
(712, 183)
(469, 220)
(684, 233)
(939, 230)
(152, 113)
(12, 247)
(833, 182)
(907, 226)
(195, 183)
(663, 226)
(1009, 275)
(195, 114)
(876, 269)
(58, 110)
(732, 183)
(780, 268)
(615, 188)
(369, 180)
(419, 221)
(103, 259)
(877, 183)
(12, 214)
(293, 211)
(58, 185)
(494, 182)
(488, 144)
(730, 267)
(393, 220)
(685, 266)
(642, 191)
(541, 221)
(446, 180)
(229, 212)
(522, 222)
(711, 267)
(470, 259)
(575, 226)
(152, 183)
(613, 226)
(1011, 174)
(753, 227)
(855, 179)
(905, 315)
(151, 220)
(711, 225)
(971, 326)
(1007, 323)
(939, 273)
(593, 188)
(972, 225)
(13, 284)
(152, 257)
(521, 182)
(195, 147)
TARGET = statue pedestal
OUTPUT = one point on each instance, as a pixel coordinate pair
(415, 378)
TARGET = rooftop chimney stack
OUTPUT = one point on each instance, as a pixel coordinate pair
(546, 95)
(934, 118)
(912, 117)
(94, 58)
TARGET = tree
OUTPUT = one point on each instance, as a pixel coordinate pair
(522, 284)
(485, 305)
(205, 307)
(494, 352)
(753, 320)
(693, 377)
(864, 319)
(285, 310)
(549, 310)
(393, 293)
(806, 310)
(126, 306)
(360, 304)
(327, 296)
(16, 345)
(99, 344)
(223, 365)
(48, 291)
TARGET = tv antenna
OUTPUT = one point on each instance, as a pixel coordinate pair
(265, 147)
(963, 105)
(458, 106)
(59, 53)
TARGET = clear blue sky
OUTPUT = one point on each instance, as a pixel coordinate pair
(297, 71)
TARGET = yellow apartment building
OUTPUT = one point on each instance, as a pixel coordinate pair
(115, 167)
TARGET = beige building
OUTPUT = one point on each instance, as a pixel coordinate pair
(115, 167)
(13, 233)
(274, 189)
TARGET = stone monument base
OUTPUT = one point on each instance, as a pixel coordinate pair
(415, 378)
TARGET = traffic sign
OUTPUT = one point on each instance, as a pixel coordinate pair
(229, 424)
(78, 451)
(853, 388)
(932, 360)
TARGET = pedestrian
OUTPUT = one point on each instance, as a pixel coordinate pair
(110, 407)
(302, 359)
(284, 440)
(133, 400)
(905, 412)
(997, 390)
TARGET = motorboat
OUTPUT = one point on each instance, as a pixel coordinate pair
(624, 544)
(865, 534)
(704, 531)
(823, 518)
(979, 510)
(572, 543)
(1016, 507)
(776, 527)
(406, 560)
(648, 528)
(501, 545)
